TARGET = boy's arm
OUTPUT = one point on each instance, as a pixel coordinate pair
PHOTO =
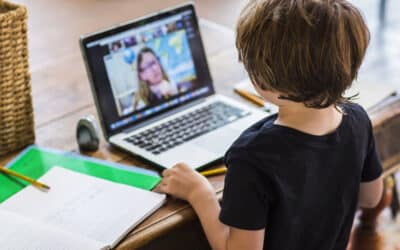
(370, 193)
(219, 235)
(371, 186)
(185, 183)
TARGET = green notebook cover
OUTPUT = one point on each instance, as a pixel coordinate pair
(36, 161)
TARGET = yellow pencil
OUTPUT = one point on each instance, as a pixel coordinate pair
(249, 96)
(25, 178)
(221, 170)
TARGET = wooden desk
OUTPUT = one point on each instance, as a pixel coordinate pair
(61, 95)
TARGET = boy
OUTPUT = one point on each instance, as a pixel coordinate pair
(294, 179)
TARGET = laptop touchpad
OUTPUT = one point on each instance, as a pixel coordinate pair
(218, 141)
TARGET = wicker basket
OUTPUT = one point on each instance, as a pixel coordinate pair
(16, 112)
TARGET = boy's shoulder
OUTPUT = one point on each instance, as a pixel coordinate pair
(264, 137)
(357, 113)
(258, 137)
(354, 107)
(258, 143)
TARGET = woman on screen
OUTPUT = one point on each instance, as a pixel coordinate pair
(154, 85)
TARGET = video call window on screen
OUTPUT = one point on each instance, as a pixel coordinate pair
(150, 65)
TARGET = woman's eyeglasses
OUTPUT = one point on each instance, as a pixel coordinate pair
(148, 66)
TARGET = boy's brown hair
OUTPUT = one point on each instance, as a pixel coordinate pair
(308, 50)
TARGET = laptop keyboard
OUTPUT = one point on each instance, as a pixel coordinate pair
(187, 127)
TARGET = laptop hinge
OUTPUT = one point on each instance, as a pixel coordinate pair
(163, 116)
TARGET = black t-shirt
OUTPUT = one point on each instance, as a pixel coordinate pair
(303, 189)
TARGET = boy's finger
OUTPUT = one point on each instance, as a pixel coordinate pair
(157, 189)
(160, 188)
(165, 173)
(182, 165)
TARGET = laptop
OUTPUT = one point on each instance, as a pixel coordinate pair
(154, 93)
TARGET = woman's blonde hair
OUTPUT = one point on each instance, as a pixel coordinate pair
(144, 93)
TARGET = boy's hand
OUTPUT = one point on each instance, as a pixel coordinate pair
(185, 183)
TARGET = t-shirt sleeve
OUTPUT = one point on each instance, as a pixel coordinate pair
(372, 168)
(244, 202)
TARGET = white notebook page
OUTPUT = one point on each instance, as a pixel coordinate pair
(20, 233)
(91, 207)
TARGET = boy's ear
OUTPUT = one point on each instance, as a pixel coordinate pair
(260, 86)
(264, 87)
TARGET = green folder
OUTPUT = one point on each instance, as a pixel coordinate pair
(36, 161)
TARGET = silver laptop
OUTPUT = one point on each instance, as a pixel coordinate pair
(154, 93)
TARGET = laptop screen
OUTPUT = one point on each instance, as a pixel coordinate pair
(147, 67)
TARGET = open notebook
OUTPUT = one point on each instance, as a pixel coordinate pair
(78, 212)
(369, 94)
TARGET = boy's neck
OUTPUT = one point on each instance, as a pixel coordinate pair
(309, 120)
